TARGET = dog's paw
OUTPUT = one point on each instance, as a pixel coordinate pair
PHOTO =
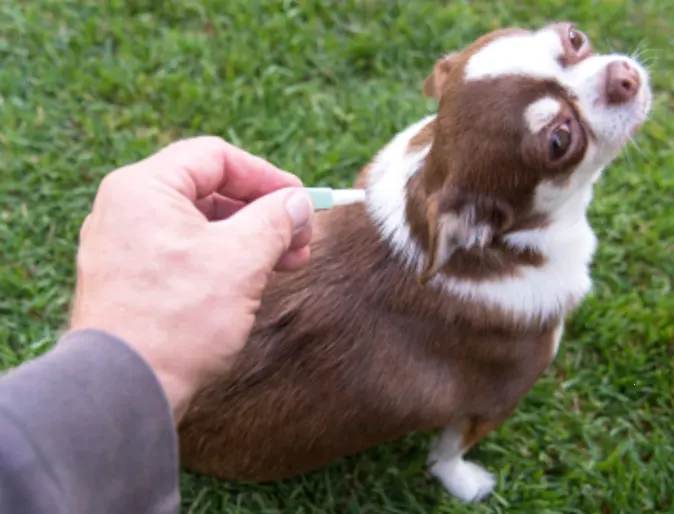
(465, 480)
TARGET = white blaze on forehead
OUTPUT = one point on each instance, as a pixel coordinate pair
(536, 54)
(540, 113)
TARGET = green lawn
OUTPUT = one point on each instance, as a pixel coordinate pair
(317, 87)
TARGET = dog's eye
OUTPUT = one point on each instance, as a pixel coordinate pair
(576, 39)
(560, 141)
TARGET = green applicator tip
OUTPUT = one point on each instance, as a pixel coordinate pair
(326, 198)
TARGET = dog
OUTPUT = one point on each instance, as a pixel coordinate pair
(437, 304)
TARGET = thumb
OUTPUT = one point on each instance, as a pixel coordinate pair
(265, 228)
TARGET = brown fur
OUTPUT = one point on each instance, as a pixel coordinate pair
(423, 138)
(355, 350)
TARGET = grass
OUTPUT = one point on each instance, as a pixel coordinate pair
(317, 87)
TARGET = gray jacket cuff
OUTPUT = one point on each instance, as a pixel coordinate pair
(87, 428)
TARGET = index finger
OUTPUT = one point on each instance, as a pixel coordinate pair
(200, 166)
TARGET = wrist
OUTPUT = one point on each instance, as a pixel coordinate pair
(178, 393)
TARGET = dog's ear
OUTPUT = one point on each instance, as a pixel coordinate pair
(434, 82)
(460, 222)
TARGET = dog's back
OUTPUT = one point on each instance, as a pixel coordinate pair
(349, 353)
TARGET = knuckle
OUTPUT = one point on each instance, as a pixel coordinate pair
(210, 145)
(111, 183)
(123, 183)
(85, 226)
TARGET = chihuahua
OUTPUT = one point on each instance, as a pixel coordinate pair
(438, 303)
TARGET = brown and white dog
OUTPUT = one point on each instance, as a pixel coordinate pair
(438, 303)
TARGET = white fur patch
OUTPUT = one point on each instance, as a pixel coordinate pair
(540, 113)
(387, 179)
(532, 54)
(465, 480)
(538, 292)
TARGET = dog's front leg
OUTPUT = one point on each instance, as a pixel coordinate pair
(466, 480)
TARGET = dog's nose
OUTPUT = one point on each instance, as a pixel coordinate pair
(622, 82)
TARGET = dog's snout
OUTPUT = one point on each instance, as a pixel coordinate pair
(622, 82)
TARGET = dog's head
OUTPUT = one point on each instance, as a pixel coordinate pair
(526, 122)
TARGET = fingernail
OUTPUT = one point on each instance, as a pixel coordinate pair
(300, 209)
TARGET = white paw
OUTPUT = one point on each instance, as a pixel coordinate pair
(465, 480)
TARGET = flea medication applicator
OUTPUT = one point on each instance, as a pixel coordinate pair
(325, 198)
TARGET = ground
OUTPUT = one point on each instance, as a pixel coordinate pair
(317, 87)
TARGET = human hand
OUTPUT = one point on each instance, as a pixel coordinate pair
(176, 253)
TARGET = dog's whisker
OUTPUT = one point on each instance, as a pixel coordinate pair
(608, 44)
(628, 158)
(642, 52)
(637, 52)
(648, 56)
(634, 144)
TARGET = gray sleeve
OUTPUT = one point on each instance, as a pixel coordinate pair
(86, 428)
